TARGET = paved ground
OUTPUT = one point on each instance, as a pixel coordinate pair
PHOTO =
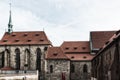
(18, 77)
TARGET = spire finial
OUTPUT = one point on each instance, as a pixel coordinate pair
(10, 21)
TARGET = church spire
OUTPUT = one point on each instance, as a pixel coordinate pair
(10, 22)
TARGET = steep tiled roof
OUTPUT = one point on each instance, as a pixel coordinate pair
(80, 57)
(72, 50)
(75, 46)
(99, 38)
(23, 38)
(55, 53)
(110, 41)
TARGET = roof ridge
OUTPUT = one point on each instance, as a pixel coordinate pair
(104, 31)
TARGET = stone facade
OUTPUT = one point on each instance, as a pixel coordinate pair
(81, 71)
(106, 65)
(28, 59)
(10, 55)
(57, 70)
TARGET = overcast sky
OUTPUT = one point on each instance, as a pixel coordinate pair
(62, 20)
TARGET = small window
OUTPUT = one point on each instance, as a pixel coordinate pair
(84, 48)
(45, 48)
(41, 40)
(66, 48)
(25, 34)
(117, 32)
(55, 54)
(85, 68)
(75, 48)
(84, 57)
(107, 42)
(72, 57)
(16, 40)
(72, 68)
(51, 68)
(28, 40)
(5, 40)
(36, 34)
(13, 35)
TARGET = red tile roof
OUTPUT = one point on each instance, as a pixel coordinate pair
(23, 38)
(80, 57)
(72, 50)
(55, 53)
(99, 38)
(75, 46)
(110, 41)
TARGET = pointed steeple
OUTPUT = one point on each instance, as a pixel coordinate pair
(10, 22)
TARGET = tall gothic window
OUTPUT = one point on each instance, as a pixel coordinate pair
(7, 59)
(3, 59)
(27, 59)
(38, 59)
(51, 68)
(17, 58)
(72, 68)
(85, 68)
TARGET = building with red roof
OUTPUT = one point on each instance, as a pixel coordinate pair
(98, 39)
(106, 64)
(58, 64)
(25, 38)
(24, 50)
(73, 60)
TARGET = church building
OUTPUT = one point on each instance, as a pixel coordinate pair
(72, 60)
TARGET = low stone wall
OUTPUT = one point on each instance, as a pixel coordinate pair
(20, 75)
(23, 77)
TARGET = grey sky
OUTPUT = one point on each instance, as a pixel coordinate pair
(62, 20)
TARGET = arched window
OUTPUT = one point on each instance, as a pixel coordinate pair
(17, 59)
(85, 68)
(72, 68)
(7, 54)
(2, 59)
(38, 59)
(51, 68)
(27, 59)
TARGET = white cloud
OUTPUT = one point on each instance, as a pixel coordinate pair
(62, 19)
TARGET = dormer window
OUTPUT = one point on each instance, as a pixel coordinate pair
(117, 32)
(75, 48)
(25, 34)
(13, 35)
(72, 57)
(84, 57)
(36, 34)
(67, 48)
(55, 54)
(83, 47)
(28, 40)
(5, 40)
(16, 40)
(41, 40)
(107, 42)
